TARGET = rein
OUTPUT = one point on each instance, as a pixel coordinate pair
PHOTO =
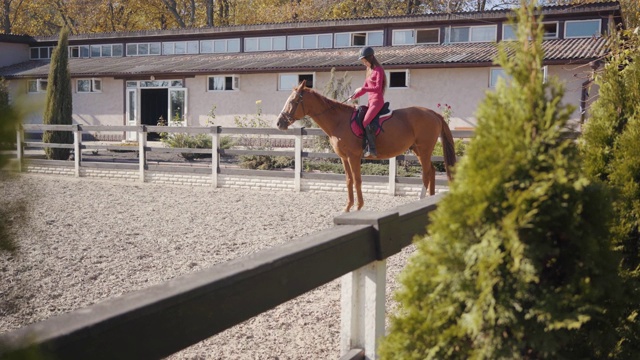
(297, 101)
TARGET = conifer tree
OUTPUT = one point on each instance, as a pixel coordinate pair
(58, 106)
(517, 265)
(612, 155)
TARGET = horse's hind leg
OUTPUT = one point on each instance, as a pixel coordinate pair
(349, 179)
(432, 181)
(428, 174)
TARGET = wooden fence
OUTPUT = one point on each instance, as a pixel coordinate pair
(298, 153)
(155, 322)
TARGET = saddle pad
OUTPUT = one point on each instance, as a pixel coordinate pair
(357, 130)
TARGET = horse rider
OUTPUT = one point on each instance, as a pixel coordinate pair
(374, 85)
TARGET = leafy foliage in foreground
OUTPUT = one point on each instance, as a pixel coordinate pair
(518, 264)
(612, 155)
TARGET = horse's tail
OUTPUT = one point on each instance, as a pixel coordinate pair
(448, 148)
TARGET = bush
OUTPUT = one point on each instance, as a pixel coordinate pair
(610, 147)
(460, 147)
(265, 162)
(518, 264)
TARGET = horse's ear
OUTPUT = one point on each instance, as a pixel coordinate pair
(302, 84)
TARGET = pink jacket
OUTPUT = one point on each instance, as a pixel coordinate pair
(373, 85)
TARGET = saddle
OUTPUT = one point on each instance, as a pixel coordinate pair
(358, 115)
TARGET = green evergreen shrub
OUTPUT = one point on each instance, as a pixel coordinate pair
(58, 107)
(517, 265)
(612, 155)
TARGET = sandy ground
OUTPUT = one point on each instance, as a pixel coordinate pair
(89, 240)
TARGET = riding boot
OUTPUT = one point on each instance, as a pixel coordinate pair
(371, 142)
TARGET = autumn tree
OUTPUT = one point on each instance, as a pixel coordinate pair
(58, 105)
(518, 264)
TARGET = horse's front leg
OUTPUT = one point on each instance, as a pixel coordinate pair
(349, 179)
(357, 179)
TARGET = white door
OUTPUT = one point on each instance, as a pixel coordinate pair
(132, 113)
(177, 107)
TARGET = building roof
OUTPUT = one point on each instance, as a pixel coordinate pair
(17, 39)
(579, 51)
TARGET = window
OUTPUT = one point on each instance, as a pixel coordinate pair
(508, 32)
(41, 52)
(84, 51)
(412, 37)
(371, 38)
(471, 34)
(89, 85)
(403, 37)
(74, 51)
(498, 73)
(219, 46)
(398, 79)
(265, 43)
(222, 83)
(428, 36)
(289, 81)
(581, 28)
(495, 75)
(325, 41)
(144, 49)
(297, 42)
(94, 51)
(182, 47)
(37, 86)
(550, 31)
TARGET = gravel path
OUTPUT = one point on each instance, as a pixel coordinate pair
(88, 240)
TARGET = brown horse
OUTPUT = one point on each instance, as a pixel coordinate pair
(414, 128)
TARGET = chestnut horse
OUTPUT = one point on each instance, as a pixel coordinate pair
(414, 128)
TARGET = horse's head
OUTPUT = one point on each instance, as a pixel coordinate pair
(291, 112)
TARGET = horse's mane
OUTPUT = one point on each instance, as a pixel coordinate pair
(329, 103)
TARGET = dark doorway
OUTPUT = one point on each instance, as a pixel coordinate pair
(153, 105)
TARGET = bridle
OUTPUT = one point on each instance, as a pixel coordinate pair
(297, 100)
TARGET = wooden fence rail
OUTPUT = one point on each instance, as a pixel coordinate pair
(155, 322)
(215, 132)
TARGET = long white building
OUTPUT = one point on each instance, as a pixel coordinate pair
(135, 78)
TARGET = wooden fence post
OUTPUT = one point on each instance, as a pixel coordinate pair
(19, 150)
(393, 172)
(298, 160)
(215, 155)
(362, 302)
(142, 144)
(77, 146)
(362, 298)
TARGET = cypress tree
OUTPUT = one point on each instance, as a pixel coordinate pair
(58, 107)
(517, 264)
(612, 155)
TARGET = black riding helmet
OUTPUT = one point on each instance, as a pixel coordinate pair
(365, 52)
